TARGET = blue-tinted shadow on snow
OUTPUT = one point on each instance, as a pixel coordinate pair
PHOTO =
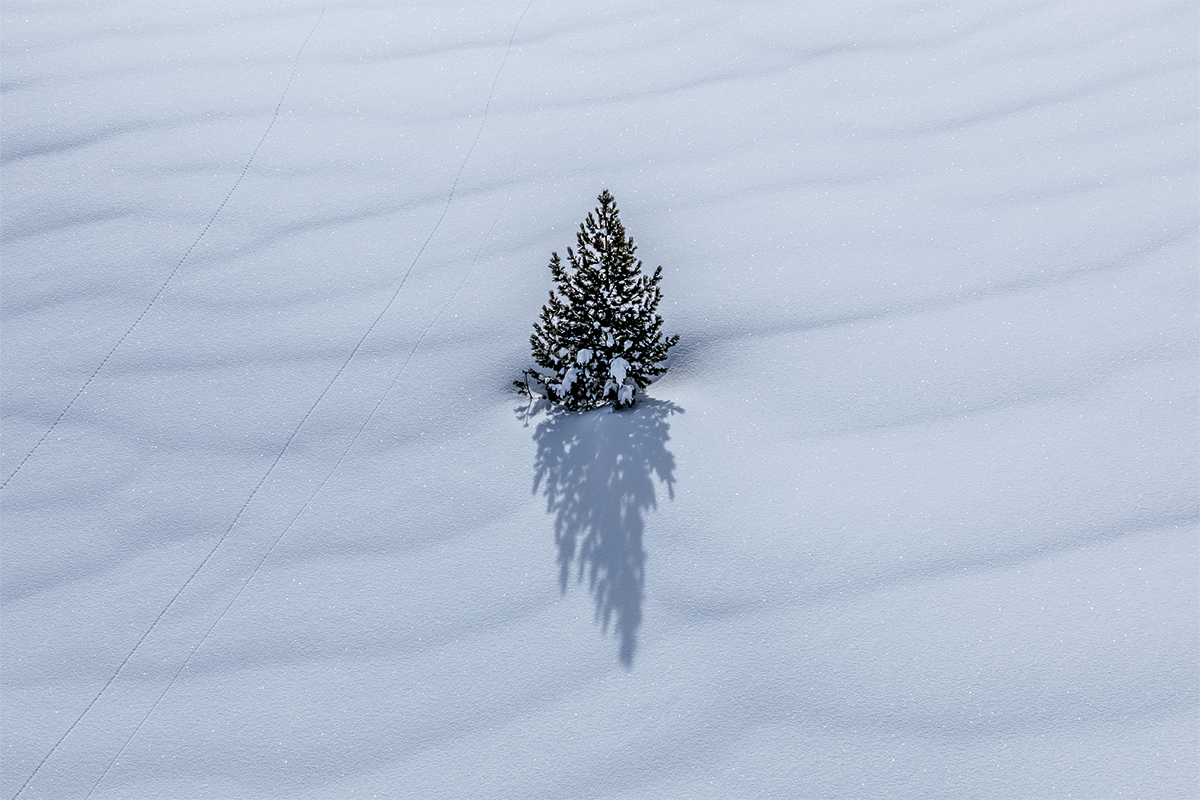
(597, 471)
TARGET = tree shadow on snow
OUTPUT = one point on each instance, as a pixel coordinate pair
(597, 471)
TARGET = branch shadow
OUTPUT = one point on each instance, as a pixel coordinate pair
(597, 470)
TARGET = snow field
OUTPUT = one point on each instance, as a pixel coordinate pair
(912, 514)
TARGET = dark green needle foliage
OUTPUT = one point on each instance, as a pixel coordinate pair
(599, 339)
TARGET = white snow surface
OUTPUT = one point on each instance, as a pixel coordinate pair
(617, 369)
(913, 514)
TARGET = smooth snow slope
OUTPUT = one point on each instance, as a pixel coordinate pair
(913, 514)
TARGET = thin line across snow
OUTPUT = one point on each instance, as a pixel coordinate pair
(303, 507)
(161, 289)
(357, 435)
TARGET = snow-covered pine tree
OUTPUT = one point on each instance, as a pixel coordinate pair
(599, 339)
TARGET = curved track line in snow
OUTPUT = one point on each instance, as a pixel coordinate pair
(345, 452)
(258, 566)
(163, 287)
(82, 389)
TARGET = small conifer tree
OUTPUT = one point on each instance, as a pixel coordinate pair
(599, 339)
